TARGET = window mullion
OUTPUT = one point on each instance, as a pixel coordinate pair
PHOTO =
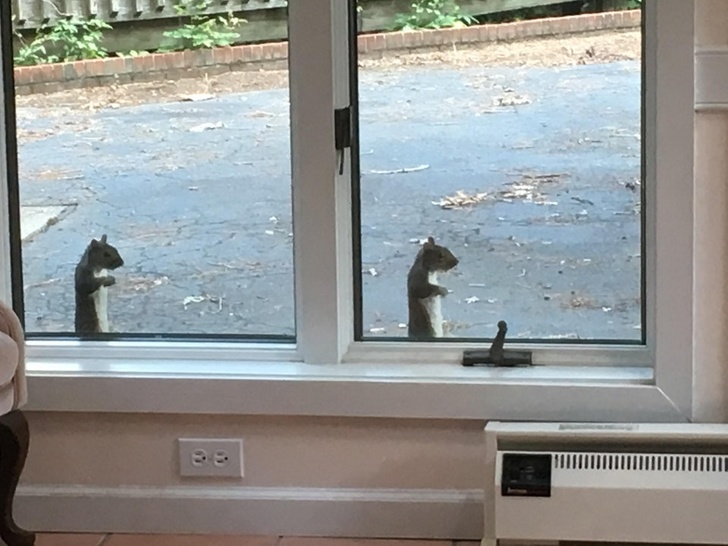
(670, 206)
(321, 197)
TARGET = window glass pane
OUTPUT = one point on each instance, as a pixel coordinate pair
(172, 145)
(522, 156)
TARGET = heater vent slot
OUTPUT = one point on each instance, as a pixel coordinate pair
(641, 462)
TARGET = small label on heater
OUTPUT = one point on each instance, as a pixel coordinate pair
(526, 475)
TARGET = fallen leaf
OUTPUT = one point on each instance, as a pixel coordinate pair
(206, 127)
(402, 171)
(461, 200)
(192, 299)
(197, 97)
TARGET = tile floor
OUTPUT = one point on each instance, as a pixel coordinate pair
(203, 540)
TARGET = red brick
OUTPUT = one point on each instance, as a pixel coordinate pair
(501, 32)
(189, 58)
(108, 68)
(238, 54)
(450, 36)
(408, 39)
(68, 72)
(129, 65)
(94, 68)
(115, 65)
(256, 52)
(79, 68)
(137, 65)
(56, 72)
(533, 28)
(436, 37)
(205, 57)
(284, 50)
(394, 40)
(483, 33)
(270, 52)
(247, 53)
(223, 55)
(266, 52)
(22, 75)
(380, 42)
(471, 34)
(175, 60)
(159, 61)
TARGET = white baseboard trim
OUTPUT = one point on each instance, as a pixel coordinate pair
(385, 513)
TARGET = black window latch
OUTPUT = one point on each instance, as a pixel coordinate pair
(497, 355)
(342, 133)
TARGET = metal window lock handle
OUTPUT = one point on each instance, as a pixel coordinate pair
(497, 355)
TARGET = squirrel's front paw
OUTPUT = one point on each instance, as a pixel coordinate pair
(442, 291)
(109, 281)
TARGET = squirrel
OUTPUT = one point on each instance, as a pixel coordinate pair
(91, 285)
(424, 295)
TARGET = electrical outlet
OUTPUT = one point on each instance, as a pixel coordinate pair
(204, 457)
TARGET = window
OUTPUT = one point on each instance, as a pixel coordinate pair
(647, 379)
(188, 179)
(521, 157)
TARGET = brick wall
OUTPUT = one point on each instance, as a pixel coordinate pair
(188, 64)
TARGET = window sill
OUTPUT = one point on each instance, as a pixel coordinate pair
(427, 391)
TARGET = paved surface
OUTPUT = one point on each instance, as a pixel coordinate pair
(196, 197)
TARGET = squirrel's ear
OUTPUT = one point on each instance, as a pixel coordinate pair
(103, 239)
(430, 240)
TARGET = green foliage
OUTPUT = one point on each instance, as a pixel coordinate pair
(432, 14)
(70, 39)
(33, 53)
(202, 30)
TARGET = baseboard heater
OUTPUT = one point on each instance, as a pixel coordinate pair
(647, 483)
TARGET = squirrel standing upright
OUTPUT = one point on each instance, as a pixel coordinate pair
(424, 295)
(91, 284)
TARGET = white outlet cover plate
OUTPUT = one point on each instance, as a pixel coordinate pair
(223, 458)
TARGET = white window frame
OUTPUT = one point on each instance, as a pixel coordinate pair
(328, 374)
